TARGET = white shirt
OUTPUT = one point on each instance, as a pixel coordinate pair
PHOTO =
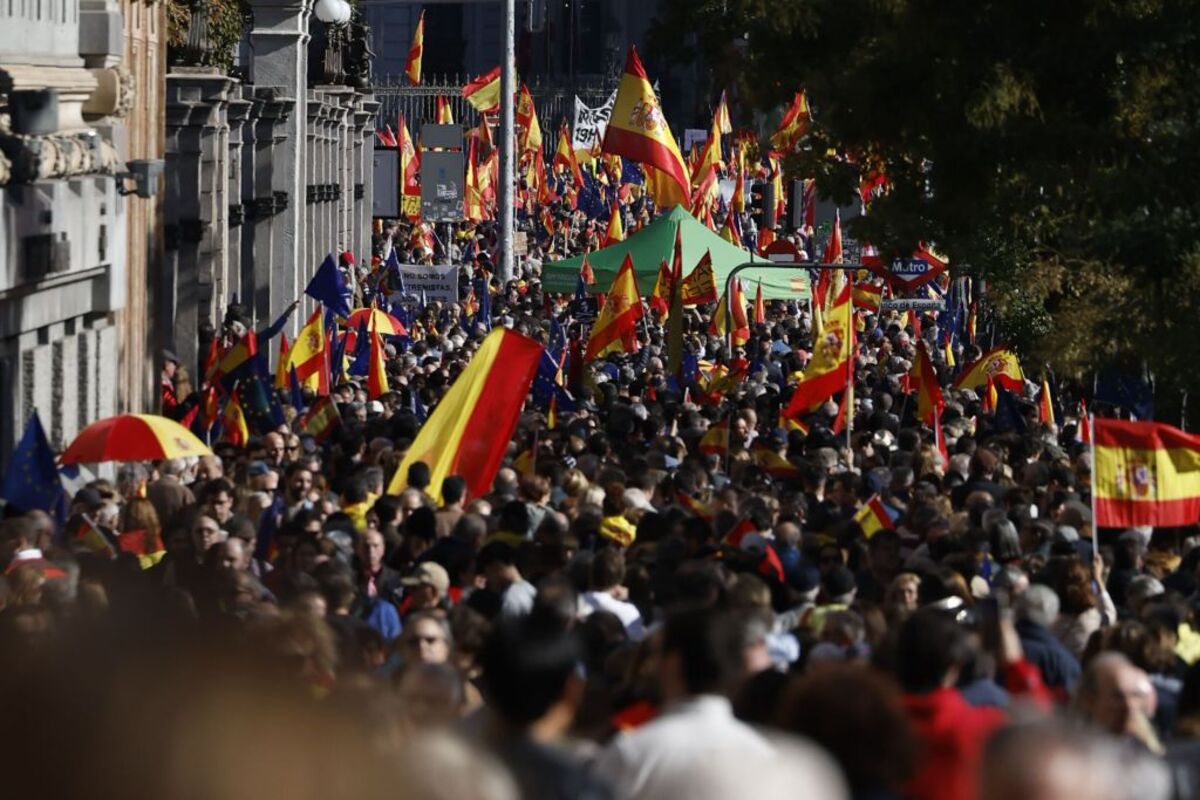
(625, 611)
(664, 752)
(517, 600)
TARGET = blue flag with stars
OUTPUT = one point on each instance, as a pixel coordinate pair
(31, 479)
(329, 287)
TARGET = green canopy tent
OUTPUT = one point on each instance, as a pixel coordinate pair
(655, 243)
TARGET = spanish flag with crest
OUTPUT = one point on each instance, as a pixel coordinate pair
(638, 131)
(829, 370)
(999, 365)
(615, 330)
(1145, 474)
(469, 430)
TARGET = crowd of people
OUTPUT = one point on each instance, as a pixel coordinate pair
(626, 614)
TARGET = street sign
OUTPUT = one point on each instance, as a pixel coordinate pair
(913, 304)
(442, 185)
(781, 251)
(906, 274)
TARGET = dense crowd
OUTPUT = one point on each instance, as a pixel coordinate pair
(626, 613)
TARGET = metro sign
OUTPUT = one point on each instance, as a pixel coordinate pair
(906, 274)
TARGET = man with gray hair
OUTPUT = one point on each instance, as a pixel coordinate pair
(168, 494)
(1037, 611)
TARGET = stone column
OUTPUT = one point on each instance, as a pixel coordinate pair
(367, 174)
(195, 185)
(314, 242)
(279, 59)
(245, 197)
(236, 115)
(359, 148)
(274, 287)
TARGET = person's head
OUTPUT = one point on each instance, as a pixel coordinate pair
(275, 448)
(431, 695)
(530, 672)
(139, 515)
(607, 569)
(454, 490)
(218, 500)
(497, 562)
(205, 533)
(419, 476)
(410, 501)
(427, 585)
(299, 484)
(425, 639)
(701, 653)
(232, 554)
(930, 651)
(371, 547)
(1116, 696)
(1039, 605)
(903, 591)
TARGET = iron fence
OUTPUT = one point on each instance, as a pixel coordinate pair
(554, 102)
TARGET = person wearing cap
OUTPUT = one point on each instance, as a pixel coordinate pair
(427, 588)
(169, 393)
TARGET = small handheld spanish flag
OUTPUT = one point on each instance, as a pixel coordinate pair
(1046, 404)
(873, 517)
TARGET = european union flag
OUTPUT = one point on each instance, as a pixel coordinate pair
(294, 386)
(392, 268)
(31, 479)
(417, 407)
(329, 288)
(484, 317)
(362, 351)
(1008, 414)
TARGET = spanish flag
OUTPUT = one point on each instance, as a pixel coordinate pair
(774, 464)
(873, 517)
(660, 295)
(469, 430)
(949, 351)
(615, 232)
(999, 365)
(530, 140)
(233, 423)
(445, 114)
(793, 125)
(788, 424)
(410, 171)
(585, 272)
(1046, 404)
(281, 367)
(833, 249)
(321, 419)
(710, 159)
(483, 93)
(377, 379)
(720, 324)
(638, 131)
(715, 441)
(236, 361)
(615, 330)
(307, 355)
(729, 232)
(721, 116)
(738, 201)
(760, 307)
(929, 391)
(829, 370)
(700, 285)
(867, 296)
(564, 156)
(412, 67)
(1145, 474)
(691, 504)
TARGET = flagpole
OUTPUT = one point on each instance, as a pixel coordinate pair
(508, 88)
(1095, 523)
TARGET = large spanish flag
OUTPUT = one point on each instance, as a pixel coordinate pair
(615, 330)
(929, 391)
(484, 92)
(1145, 473)
(412, 67)
(307, 355)
(638, 131)
(998, 365)
(794, 123)
(831, 366)
(530, 138)
(469, 430)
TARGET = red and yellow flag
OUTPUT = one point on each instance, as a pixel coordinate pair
(469, 430)
(483, 93)
(615, 330)
(307, 355)
(715, 441)
(530, 139)
(774, 464)
(615, 233)
(790, 425)
(233, 423)
(729, 231)
(760, 306)
(564, 156)
(833, 249)
(873, 517)
(585, 272)
(412, 67)
(721, 116)
(445, 114)
(638, 130)
(281, 366)
(1046, 404)
(1145, 474)
(829, 370)
(929, 392)
(867, 296)
(739, 331)
(321, 419)
(998, 364)
(660, 295)
(794, 123)
(377, 379)
(710, 157)
(700, 285)
(410, 171)
(738, 201)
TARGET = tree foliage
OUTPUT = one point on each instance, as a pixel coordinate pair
(1048, 148)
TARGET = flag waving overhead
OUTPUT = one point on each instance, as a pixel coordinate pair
(31, 478)
(377, 379)
(616, 327)
(412, 67)
(328, 286)
(484, 92)
(929, 392)
(564, 156)
(530, 139)
(794, 123)
(1145, 473)
(638, 131)
(700, 285)
(833, 354)
(445, 114)
(721, 115)
(616, 233)
(469, 430)
(998, 365)
(307, 356)
(1046, 404)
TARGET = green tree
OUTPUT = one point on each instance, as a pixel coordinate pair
(1047, 148)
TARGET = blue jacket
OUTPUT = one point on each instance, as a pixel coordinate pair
(1059, 667)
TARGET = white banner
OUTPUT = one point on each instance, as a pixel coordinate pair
(437, 282)
(590, 123)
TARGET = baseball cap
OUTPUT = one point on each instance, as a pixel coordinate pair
(427, 573)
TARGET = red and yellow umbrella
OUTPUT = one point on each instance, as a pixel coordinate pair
(133, 437)
(385, 323)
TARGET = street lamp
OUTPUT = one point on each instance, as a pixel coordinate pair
(333, 12)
